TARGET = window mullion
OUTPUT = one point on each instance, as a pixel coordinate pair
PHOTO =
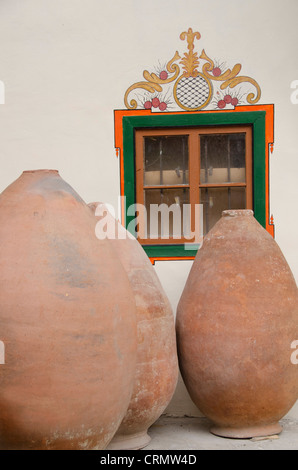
(249, 169)
(194, 173)
(140, 199)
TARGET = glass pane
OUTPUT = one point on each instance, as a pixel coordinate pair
(222, 158)
(166, 160)
(216, 200)
(166, 221)
(237, 198)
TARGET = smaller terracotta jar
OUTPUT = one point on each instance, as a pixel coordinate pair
(157, 364)
(236, 320)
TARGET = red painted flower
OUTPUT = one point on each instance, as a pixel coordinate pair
(221, 104)
(147, 105)
(163, 75)
(216, 72)
(234, 101)
(155, 102)
(163, 106)
(228, 99)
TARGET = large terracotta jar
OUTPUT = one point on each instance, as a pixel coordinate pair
(157, 363)
(236, 321)
(67, 320)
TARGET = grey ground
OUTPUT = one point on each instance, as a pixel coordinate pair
(187, 433)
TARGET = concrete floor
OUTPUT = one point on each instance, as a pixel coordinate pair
(188, 433)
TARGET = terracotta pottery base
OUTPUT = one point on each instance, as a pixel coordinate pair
(247, 432)
(130, 442)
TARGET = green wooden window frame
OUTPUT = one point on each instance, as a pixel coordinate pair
(257, 119)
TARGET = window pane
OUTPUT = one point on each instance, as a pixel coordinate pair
(216, 200)
(222, 158)
(166, 160)
(162, 221)
(237, 198)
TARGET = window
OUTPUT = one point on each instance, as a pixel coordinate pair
(216, 158)
(178, 167)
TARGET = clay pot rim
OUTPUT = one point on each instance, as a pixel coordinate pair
(41, 171)
(238, 213)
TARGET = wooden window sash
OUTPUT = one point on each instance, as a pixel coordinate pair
(194, 167)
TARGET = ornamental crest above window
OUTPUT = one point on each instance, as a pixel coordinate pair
(191, 82)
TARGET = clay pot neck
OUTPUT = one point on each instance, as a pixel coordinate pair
(238, 213)
(55, 172)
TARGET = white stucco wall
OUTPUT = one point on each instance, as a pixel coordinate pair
(66, 65)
